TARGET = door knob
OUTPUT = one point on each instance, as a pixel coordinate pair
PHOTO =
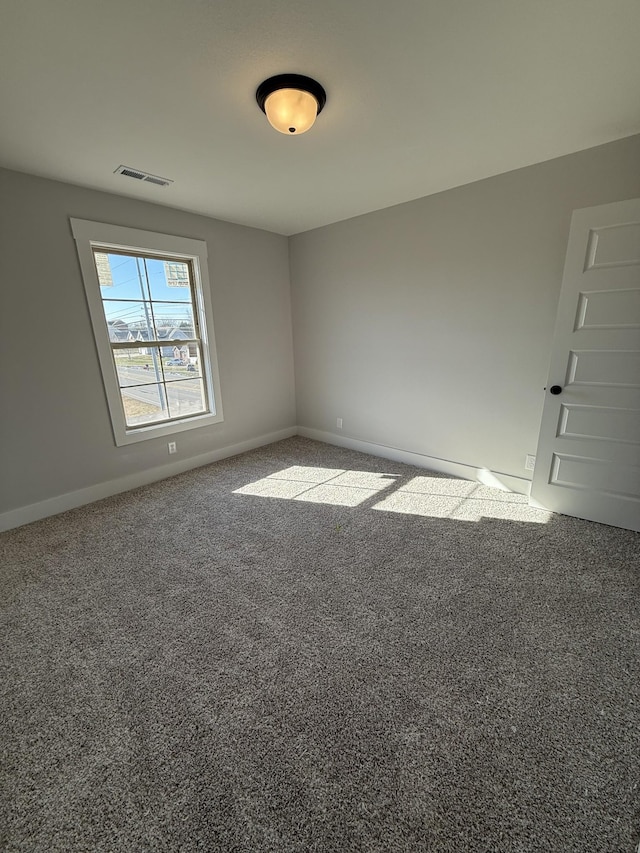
(555, 389)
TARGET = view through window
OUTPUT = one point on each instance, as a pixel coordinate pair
(149, 308)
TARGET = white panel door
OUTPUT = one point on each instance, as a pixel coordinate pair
(588, 457)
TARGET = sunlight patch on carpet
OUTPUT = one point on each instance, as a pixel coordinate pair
(462, 500)
(333, 486)
(435, 497)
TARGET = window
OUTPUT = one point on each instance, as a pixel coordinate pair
(148, 297)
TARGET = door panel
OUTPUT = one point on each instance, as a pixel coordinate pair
(614, 246)
(588, 457)
(612, 368)
(603, 422)
(609, 309)
(593, 474)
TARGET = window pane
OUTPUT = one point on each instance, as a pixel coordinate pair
(185, 397)
(144, 404)
(184, 363)
(121, 276)
(179, 362)
(174, 321)
(129, 321)
(139, 366)
(169, 280)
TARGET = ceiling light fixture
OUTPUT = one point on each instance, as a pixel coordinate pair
(291, 102)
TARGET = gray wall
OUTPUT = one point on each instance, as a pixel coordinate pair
(427, 326)
(56, 433)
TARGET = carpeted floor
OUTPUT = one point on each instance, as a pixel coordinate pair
(309, 649)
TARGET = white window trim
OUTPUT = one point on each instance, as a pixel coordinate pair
(88, 235)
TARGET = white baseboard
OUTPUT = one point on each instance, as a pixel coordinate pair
(71, 500)
(496, 479)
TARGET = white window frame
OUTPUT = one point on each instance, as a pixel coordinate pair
(89, 235)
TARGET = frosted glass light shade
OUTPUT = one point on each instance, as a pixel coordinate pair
(291, 111)
(291, 102)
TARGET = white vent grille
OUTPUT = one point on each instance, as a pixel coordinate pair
(138, 175)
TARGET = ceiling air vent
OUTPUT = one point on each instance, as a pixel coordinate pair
(142, 176)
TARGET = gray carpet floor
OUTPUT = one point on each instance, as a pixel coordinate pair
(308, 649)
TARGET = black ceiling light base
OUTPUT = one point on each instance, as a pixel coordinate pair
(291, 81)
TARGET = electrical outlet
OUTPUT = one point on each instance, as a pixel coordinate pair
(339, 423)
(529, 462)
(173, 447)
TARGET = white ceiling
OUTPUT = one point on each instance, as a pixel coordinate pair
(422, 96)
